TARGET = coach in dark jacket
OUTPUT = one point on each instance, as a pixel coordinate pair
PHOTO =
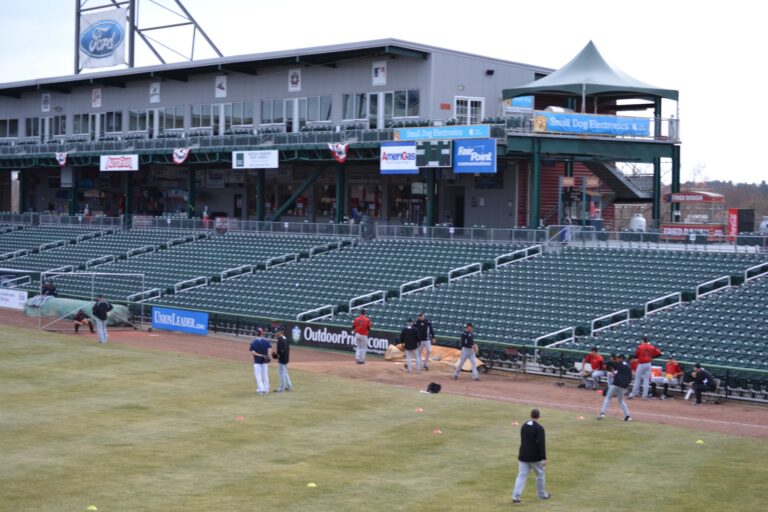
(532, 456)
(622, 375)
(282, 355)
(426, 337)
(409, 337)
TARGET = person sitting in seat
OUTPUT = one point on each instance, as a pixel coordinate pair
(596, 370)
(82, 319)
(702, 381)
(673, 374)
(49, 289)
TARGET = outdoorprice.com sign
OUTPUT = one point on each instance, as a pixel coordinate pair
(336, 337)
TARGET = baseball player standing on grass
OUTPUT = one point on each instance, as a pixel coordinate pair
(410, 340)
(260, 350)
(468, 350)
(622, 374)
(532, 456)
(426, 337)
(644, 354)
(361, 327)
(282, 355)
(100, 312)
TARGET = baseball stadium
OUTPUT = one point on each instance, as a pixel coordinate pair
(282, 196)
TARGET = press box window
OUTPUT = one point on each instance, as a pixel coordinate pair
(201, 116)
(272, 112)
(9, 128)
(355, 106)
(32, 127)
(80, 124)
(113, 122)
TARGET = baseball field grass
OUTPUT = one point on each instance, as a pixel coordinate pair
(125, 429)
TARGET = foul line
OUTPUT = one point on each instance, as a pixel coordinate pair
(570, 406)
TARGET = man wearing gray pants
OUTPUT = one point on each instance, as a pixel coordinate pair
(644, 354)
(532, 457)
(622, 374)
(468, 350)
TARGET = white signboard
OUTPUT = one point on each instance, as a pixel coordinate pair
(101, 42)
(267, 159)
(379, 73)
(220, 86)
(12, 299)
(294, 80)
(119, 163)
(154, 92)
(398, 158)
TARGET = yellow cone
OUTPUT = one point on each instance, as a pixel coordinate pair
(311, 484)
(699, 442)
(92, 507)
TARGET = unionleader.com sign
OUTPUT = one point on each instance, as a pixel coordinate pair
(181, 320)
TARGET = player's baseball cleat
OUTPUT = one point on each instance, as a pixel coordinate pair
(627, 418)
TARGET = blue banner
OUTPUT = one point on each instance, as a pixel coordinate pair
(475, 131)
(591, 124)
(181, 320)
(474, 156)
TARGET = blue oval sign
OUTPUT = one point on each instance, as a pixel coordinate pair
(102, 39)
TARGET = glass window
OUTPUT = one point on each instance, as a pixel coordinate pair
(32, 127)
(113, 122)
(248, 113)
(206, 118)
(413, 103)
(400, 102)
(355, 106)
(58, 125)
(79, 124)
(137, 120)
(325, 108)
(266, 112)
(9, 128)
(178, 117)
(313, 108)
(196, 112)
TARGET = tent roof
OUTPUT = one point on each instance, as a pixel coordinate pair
(588, 73)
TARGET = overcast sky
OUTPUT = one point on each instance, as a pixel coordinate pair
(709, 51)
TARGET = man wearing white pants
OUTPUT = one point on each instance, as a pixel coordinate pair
(361, 327)
(100, 312)
(468, 349)
(426, 336)
(644, 354)
(260, 350)
(532, 457)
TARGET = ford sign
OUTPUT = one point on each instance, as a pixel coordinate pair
(101, 39)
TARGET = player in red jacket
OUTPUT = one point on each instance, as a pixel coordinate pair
(645, 353)
(596, 370)
(361, 327)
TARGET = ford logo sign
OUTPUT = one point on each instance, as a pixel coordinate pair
(102, 39)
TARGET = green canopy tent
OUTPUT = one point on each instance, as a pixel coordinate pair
(589, 74)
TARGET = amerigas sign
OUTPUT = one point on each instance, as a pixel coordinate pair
(101, 41)
(119, 163)
(398, 158)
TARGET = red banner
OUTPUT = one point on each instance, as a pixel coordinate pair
(733, 224)
(678, 231)
(339, 152)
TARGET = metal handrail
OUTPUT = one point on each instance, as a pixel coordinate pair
(95, 262)
(140, 250)
(431, 284)
(52, 245)
(713, 281)
(178, 287)
(283, 260)
(299, 317)
(748, 278)
(479, 267)
(153, 293)
(233, 272)
(14, 254)
(592, 330)
(671, 295)
(66, 269)
(17, 281)
(572, 330)
(383, 298)
(527, 254)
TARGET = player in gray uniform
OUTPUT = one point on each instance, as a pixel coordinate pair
(426, 336)
(468, 349)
